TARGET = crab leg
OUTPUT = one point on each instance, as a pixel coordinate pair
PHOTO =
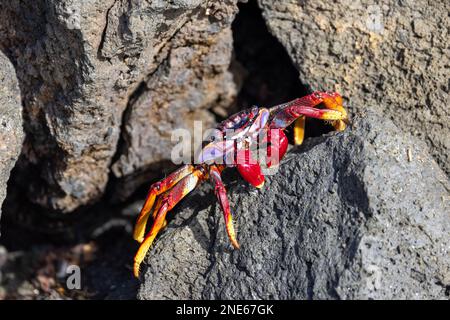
(299, 130)
(164, 204)
(287, 113)
(221, 194)
(155, 190)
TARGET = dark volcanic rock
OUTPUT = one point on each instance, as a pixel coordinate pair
(11, 131)
(390, 56)
(359, 214)
(81, 63)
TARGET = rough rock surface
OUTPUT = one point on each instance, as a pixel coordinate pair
(11, 131)
(79, 64)
(392, 57)
(359, 214)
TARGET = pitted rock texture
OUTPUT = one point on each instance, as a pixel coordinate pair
(79, 65)
(11, 127)
(389, 56)
(358, 214)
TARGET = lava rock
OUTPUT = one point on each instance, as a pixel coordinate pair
(361, 214)
(11, 127)
(81, 65)
(391, 57)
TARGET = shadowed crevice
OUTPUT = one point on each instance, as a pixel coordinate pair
(263, 68)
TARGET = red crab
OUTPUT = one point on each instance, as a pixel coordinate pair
(241, 132)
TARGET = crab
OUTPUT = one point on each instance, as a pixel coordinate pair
(242, 134)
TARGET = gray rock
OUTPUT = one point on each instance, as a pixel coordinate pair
(81, 64)
(11, 128)
(391, 56)
(353, 215)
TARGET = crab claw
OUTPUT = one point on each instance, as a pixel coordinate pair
(333, 101)
(334, 112)
(249, 169)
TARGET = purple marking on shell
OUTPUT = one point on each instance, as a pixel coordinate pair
(216, 150)
(208, 155)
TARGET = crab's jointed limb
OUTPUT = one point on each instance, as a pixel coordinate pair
(155, 190)
(300, 108)
(299, 130)
(221, 194)
(172, 190)
(176, 188)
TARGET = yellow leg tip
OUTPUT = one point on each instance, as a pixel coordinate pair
(260, 185)
(139, 239)
(138, 234)
(339, 125)
(298, 140)
(299, 130)
(141, 253)
(136, 270)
